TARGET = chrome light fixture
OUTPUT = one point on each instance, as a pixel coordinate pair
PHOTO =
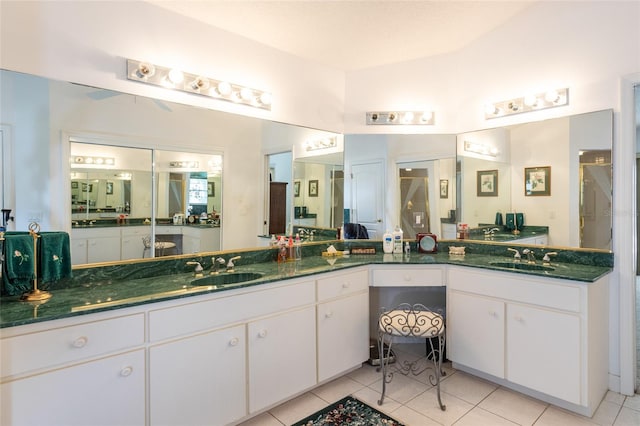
(528, 103)
(90, 161)
(324, 143)
(172, 78)
(403, 118)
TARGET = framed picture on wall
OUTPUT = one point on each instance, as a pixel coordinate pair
(537, 181)
(74, 185)
(109, 188)
(313, 188)
(444, 188)
(296, 188)
(211, 189)
(487, 182)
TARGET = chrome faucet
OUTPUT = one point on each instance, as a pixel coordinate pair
(546, 260)
(197, 271)
(215, 265)
(516, 256)
(230, 264)
(531, 258)
(489, 232)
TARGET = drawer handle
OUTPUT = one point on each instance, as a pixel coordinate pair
(80, 342)
(328, 314)
(234, 341)
(407, 277)
(493, 314)
(262, 334)
(519, 318)
(346, 285)
(126, 371)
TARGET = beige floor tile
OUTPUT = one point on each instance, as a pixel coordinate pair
(467, 387)
(554, 416)
(402, 388)
(480, 417)
(632, 402)
(337, 389)
(606, 413)
(514, 406)
(427, 405)
(298, 408)
(614, 397)
(372, 396)
(366, 375)
(628, 417)
(409, 417)
(264, 419)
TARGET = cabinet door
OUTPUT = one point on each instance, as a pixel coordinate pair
(543, 351)
(103, 249)
(475, 332)
(78, 249)
(109, 391)
(199, 380)
(282, 357)
(343, 335)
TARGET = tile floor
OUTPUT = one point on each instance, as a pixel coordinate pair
(470, 401)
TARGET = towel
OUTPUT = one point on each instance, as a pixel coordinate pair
(18, 266)
(54, 256)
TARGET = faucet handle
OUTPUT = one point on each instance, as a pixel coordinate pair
(516, 255)
(230, 264)
(197, 271)
(547, 257)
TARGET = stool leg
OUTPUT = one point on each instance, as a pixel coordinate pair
(437, 364)
(384, 363)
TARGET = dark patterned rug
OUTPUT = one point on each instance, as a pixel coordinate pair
(348, 411)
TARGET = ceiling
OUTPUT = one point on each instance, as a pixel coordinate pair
(351, 35)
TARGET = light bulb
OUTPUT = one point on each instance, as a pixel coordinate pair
(392, 117)
(145, 70)
(175, 76)
(426, 116)
(246, 94)
(224, 88)
(531, 101)
(200, 83)
(552, 96)
(408, 117)
(491, 109)
(265, 98)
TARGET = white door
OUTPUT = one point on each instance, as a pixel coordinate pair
(367, 188)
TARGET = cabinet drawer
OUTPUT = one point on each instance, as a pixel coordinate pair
(89, 232)
(404, 276)
(135, 231)
(342, 284)
(193, 317)
(517, 287)
(25, 352)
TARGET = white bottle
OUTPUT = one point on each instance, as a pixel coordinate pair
(387, 242)
(397, 240)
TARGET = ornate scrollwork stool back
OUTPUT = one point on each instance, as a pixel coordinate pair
(408, 320)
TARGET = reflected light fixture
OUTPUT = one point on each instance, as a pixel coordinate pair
(324, 143)
(87, 160)
(528, 103)
(172, 78)
(480, 148)
(405, 118)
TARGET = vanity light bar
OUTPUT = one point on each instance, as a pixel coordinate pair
(325, 143)
(528, 103)
(172, 78)
(479, 148)
(93, 161)
(184, 164)
(403, 118)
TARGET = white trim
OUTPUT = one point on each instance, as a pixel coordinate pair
(7, 193)
(624, 236)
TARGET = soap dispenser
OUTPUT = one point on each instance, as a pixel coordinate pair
(387, 242)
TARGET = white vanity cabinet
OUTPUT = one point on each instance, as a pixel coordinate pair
(545, 337)
(200, 379)
(342, 319)
(282, 356)
(89, 373)
(93, 245)
(131, 245)
(200, 239)
(538, 240)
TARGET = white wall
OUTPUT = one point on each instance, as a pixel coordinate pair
(585, 46)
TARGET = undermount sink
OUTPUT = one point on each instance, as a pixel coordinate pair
(522, 266)
(226, 279)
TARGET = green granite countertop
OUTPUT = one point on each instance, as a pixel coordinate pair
(100, 291)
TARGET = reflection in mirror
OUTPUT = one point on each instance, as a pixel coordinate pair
(318, 188)
(574, 209)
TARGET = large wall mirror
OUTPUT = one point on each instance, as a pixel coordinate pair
(557, 173)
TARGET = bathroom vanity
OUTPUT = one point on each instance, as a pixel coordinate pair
(137, 352)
